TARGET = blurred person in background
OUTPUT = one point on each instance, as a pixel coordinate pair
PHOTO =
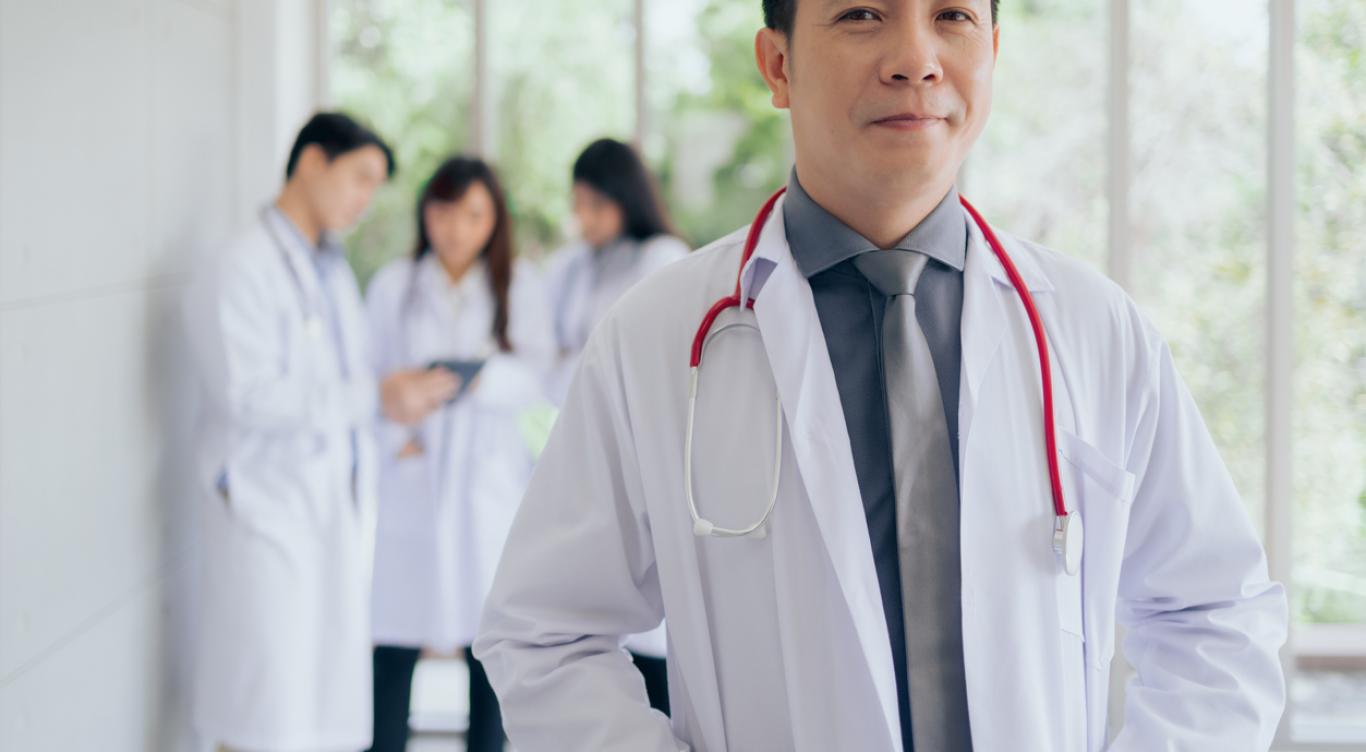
(626, 236)
(451, 473)
(286, 460)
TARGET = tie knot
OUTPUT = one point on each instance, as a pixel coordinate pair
(893, 272)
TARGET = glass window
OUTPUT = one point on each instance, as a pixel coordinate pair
(1328, 689)
(563, 75)
(1330, 314)
(720, 146)
(403, 67)
(1039, 169)
(1199, 125)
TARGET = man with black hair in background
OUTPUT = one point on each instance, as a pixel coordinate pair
(286, 461)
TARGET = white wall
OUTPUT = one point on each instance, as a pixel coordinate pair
(134, 135)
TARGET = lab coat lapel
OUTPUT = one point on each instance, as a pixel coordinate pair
(793, 339)
(298, 264)
(1000, 376)
(339, 298)
(351, 316)
(988, 297)
(981, 327)
(443, 330)
(432, 290)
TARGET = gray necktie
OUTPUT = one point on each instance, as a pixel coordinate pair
(926, 511)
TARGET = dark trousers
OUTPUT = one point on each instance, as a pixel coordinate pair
(656, 680)
(393, 695)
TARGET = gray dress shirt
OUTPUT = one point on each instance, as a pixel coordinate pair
(850, 312)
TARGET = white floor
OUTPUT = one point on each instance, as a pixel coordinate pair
(440, 711)
(436, 743)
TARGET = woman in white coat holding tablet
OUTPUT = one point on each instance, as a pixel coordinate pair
(451, 476)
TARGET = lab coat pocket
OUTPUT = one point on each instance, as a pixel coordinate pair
(1100, 491)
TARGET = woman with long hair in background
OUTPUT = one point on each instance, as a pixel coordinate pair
(452, 474)
(625, 236)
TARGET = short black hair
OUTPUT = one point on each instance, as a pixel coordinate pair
(336, 133)
(781, 14)
(615, 170)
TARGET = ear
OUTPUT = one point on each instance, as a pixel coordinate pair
(996, 42)
(771, 54)
(312, 160)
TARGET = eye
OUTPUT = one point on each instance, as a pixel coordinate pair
(957, 16)
(859, 14)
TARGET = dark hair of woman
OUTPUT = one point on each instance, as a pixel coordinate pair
(613, 169)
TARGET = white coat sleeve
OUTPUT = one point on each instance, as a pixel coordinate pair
(1204, 621)
(243, 353)
(383, 310)
(516, 381)
(577, 573)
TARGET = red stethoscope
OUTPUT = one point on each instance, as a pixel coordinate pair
(1067, 529)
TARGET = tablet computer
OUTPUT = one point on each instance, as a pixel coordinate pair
(465, 369)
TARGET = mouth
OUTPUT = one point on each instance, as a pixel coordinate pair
(910, 121)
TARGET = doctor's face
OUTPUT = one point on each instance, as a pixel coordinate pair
(600, 219)
(459, 230)
(887, 93)
(344, 186)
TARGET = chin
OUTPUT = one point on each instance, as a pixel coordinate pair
(905, 169)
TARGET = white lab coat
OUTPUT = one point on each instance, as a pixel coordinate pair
(780, 643)
(284, 651)
(444, 514)
(584, 284)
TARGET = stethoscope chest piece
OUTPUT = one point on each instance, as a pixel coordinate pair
(1067, 541)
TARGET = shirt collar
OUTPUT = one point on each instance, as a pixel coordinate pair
(327, 251)
(473, 278)
(820, 241)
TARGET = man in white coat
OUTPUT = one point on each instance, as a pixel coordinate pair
(914, 580)
(287, 462)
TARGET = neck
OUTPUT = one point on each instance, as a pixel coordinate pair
(455, 270)
(292, 205)
(604, 246)
(883, 216)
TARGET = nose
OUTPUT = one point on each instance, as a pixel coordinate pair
(913, 55)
